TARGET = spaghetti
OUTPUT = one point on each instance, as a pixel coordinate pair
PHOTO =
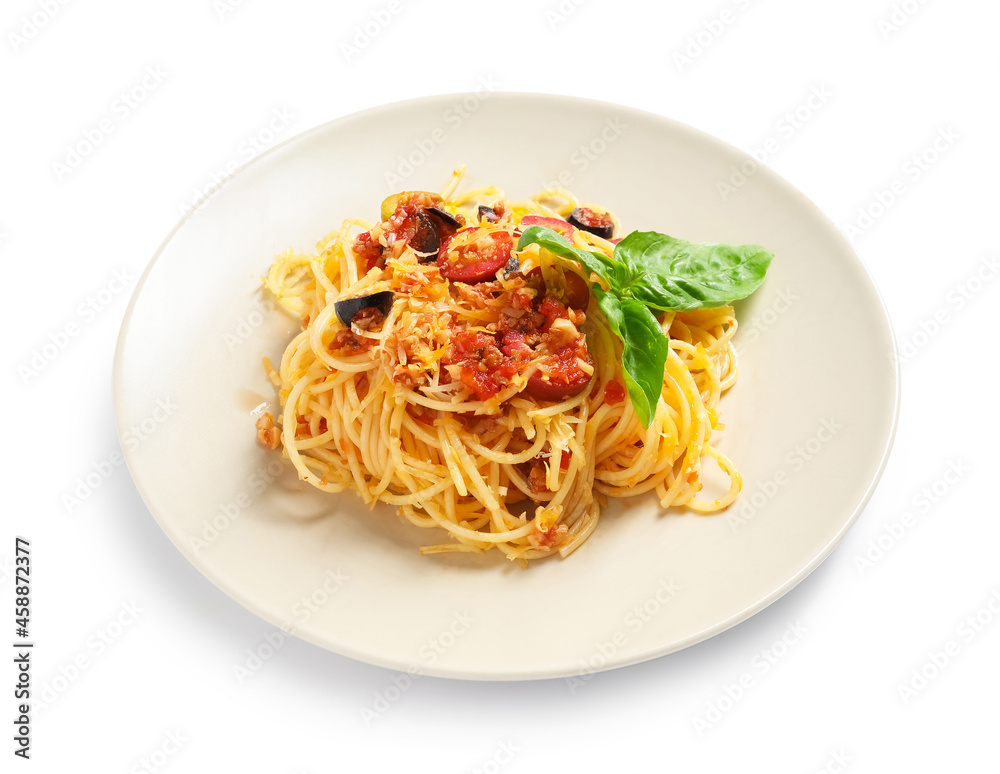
(484, 394)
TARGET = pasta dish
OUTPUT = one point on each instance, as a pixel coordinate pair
(499, 369)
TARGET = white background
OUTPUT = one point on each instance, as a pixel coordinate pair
(914, 588)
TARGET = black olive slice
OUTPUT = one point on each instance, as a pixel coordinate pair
(446, 218)
(489, 213)
(349, 307)
(513, 264)
(597, 223)
(425, 240)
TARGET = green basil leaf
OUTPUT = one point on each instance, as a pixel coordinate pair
(645, 350)
(669, 273)
(554, 242)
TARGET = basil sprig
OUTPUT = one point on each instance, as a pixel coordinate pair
(655, 271)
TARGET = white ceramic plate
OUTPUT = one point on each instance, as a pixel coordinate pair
(810, 421)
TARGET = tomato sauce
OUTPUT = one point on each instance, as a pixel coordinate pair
(367, 250)
(614, 393)
(484, 368)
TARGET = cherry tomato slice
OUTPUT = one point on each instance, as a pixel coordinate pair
(556, 224)
(559, 376)
(466, 257)
(577, 288)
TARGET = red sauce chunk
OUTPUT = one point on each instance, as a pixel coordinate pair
(346, 343)
(552, 309)
(614, 393)
(546, 336)
(367, 250)
(484, 368)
